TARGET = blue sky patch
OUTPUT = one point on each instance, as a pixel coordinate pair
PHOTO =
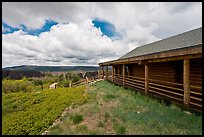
(36, 32)
(107, 28)
(8, 29)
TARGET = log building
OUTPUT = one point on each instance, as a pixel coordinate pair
(170, 69)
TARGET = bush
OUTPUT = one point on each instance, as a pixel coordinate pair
(16, 86)
(75, 78)
(61, 77)
(31, 113)
(72, 76)
(76, 118)
(64, 83)
(37, 82)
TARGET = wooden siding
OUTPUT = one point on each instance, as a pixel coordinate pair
(165, 80)
(136, 70)
(196, 83)
(166, 71)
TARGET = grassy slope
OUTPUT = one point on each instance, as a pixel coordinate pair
(31, 113)
(114, 110)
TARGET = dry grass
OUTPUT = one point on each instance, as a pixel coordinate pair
(113, 110)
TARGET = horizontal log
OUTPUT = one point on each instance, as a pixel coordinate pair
(165, 86)
(165, 95)
(134, 83)
(128, 84)
(196, 78)
(166, 91)
(162, 65)
(197, 93)
(199, 105)
(164, 70)
(134, 80)
(164, 79)
(135, 77)
(166, 82)
(169, 75)
(198, 99)
(118, 75)
(197, 87)
(116, 79)
(196, 83)
(161, 71)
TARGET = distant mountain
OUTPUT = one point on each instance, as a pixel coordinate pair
(52, 68)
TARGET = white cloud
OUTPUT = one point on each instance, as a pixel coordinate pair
(139, 23)
(124, 15)
(65, 44)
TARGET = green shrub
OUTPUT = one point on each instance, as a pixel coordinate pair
(64, 83)
(37, 82)
(61, 77)
(76, 118)
(32, 113)
(75, 78)
(72, 76)
(16, 86)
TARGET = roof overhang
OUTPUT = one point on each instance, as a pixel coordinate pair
(195, 51)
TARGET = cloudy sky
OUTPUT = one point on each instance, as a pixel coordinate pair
(88, 33)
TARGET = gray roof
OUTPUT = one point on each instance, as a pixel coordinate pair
(184, 40)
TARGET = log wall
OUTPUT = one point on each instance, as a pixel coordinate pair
(196, 83)
(165, 79)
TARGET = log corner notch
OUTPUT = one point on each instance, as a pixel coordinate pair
(186, 82)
